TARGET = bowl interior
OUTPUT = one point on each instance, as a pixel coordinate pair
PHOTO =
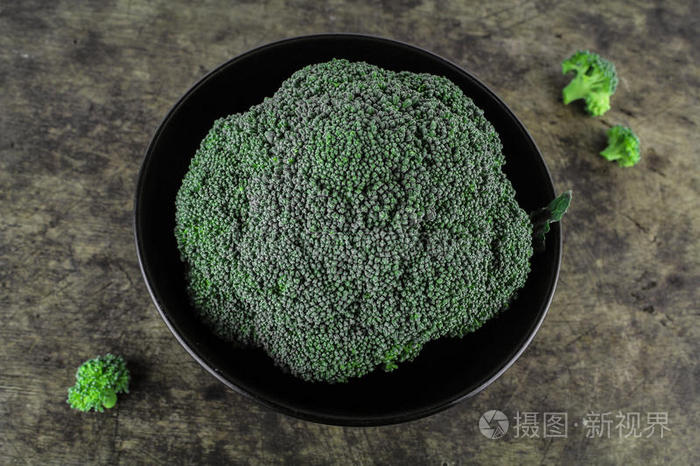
(447, 370)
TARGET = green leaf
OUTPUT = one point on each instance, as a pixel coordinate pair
(541, 218)
(559, 206)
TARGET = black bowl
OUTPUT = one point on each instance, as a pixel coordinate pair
(447, 370)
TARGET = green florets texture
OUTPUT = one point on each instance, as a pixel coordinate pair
(349, 219)
(595, 81)
(623, 146)
(97, 383)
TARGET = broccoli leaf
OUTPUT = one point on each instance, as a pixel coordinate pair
(541, 218)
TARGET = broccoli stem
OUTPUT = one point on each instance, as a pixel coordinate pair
(614, 151)
(109, 399)
(576, 89)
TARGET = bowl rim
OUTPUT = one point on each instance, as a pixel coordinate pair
(309, 415)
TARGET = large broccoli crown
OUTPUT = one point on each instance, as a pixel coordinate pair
(350, 218)
(623, 146)
(595, 81)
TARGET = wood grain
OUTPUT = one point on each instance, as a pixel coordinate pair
(82, 88)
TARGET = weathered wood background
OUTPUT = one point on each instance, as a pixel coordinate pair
(83, 85)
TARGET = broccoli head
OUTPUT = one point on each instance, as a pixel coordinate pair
(595, 81)
(623, 146)
(349, 219)
(97, 383)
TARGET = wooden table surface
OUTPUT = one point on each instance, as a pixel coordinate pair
(83, 87)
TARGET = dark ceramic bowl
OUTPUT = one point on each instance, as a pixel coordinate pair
(447, 370)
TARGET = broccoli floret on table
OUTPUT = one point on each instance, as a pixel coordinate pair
(623, 146)
(595, 81)
(349, 219)
(97, 383)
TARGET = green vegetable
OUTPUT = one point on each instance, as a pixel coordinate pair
(541, 218)
(349, 219)
(623, 146)
(97, 383)
(595, 81)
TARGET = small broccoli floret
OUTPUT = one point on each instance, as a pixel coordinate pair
(97, 383)
(349, 219)
(623, 146)
(595, 81)
(541, 218)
